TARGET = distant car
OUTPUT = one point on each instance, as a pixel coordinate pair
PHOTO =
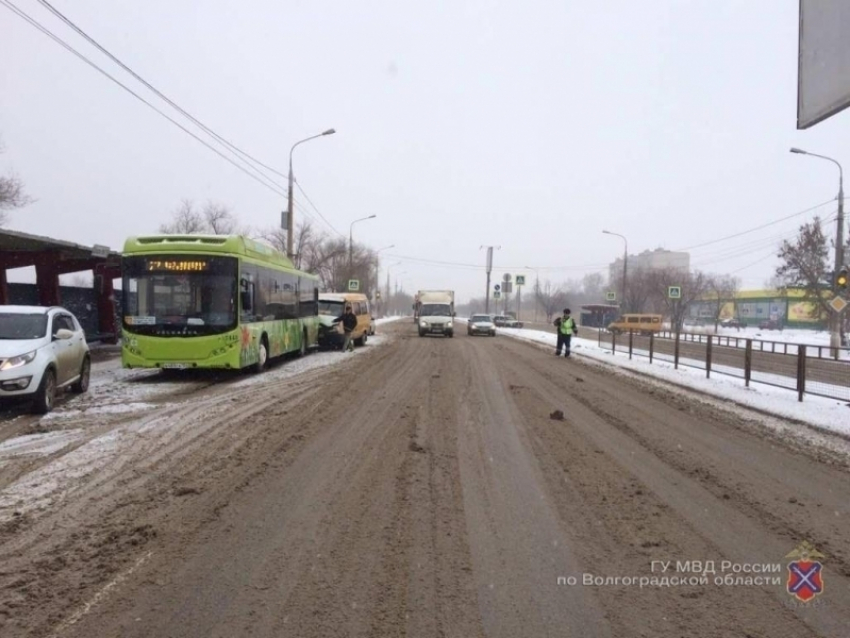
(500, 320)
(42, 351)
(770, 324)
(510, 322)
(732, 323)
(481, 325)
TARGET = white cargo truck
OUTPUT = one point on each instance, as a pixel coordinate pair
(434, 312)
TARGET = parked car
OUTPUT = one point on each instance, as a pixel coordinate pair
(42, 351)
(510, 322)
(732, 323)
(500, 320)
(481, 325)
(770, 324)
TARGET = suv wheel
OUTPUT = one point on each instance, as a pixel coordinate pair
(45, 396)
(82, 384)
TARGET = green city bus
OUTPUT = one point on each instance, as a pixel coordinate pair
(213, 301)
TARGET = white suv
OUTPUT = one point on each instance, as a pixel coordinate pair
(41, 351)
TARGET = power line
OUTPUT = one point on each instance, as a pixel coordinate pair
(247, 157)
(176, 106)
(261, 179)
(773, 252)
(307, 197)
(752, 230)
(758, 261)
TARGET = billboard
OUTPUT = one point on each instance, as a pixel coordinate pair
(823, 72)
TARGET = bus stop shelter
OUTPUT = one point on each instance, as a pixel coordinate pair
(599, 315)
(54, 257)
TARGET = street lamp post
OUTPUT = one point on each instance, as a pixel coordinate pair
(835, 333)
(391, 266)
(625, 267)
(290, 225)
(351, 240)
(397, 277)
(378, 272)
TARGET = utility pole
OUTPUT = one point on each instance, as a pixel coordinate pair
(835, 331)
(489, 270)
(290, 224)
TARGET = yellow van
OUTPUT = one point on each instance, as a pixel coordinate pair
(331, 306)
(639, 324)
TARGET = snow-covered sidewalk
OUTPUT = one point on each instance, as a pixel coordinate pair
(827, 414)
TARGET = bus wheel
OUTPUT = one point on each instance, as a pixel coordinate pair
(263, 355)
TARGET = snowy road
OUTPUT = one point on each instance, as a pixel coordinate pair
(420, 487)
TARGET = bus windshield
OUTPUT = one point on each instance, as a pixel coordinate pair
(179, 295)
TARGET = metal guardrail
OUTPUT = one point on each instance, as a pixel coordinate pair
(764, 345)
(806, 369)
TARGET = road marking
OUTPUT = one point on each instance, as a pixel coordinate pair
(100, 596)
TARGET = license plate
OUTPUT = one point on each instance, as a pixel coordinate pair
(175, 366)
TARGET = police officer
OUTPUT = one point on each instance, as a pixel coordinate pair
(566, 326)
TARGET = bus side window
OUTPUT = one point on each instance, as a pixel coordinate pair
(246, 288)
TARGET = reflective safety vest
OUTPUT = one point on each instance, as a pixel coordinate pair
(568, 326)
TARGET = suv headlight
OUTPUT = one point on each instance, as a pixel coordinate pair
(423, 323)
(449, 324)
(16, 362)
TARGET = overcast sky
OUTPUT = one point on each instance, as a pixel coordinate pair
(528, 125)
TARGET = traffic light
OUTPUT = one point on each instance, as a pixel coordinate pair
(841, 279)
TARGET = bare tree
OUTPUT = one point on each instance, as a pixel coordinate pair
(722, 289)
(551, 301)
(12, 194)
(805, 265)
(774, 283)
(186, 220)
(592, 285)
(213, 219)
(693, 286)
(219, 219)
(640, 291)
(79, 280)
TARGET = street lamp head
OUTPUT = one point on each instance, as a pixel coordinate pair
(607, 232)
(794, 149)
(330, 131)
(371, 216)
